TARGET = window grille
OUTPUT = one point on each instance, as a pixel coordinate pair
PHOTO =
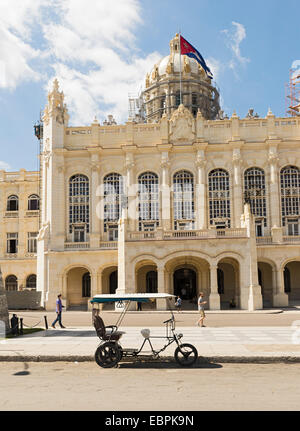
(255, 192)
(113, 189)
(290, 192)
(219, 197)
(78, 201)
(32, 242)
(12, 203)
(11, 283)
(183, 199)
(148, 199)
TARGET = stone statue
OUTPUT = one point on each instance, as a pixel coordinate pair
(3, 305)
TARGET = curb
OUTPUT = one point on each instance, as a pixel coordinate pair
(201, 359)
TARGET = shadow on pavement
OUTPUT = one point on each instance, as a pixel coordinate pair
(166, 364)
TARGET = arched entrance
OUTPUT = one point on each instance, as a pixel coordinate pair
(291, 276)
(266, 283)
(228, 283)
(185, 283)
(109, 283)
(78, 288)
(146, 280)
(113, 282)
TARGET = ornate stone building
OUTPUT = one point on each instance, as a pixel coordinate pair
(182, 204)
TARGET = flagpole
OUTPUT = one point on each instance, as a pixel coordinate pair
(180, 81)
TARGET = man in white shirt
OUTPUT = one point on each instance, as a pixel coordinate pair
(201, 304)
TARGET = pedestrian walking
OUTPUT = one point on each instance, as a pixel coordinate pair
(201, 304)
(178, 304)
(59, 308)
(139, 306)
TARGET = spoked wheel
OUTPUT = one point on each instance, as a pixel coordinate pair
(108, 355)
(186, 355)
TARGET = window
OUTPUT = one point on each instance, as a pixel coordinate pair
(290, 192)
(194, 99)
(12, 243)
(31, 282)
(219, 198)
(32, 242)
(78, 201)
(11, 283)
(13, 203)
(33, 203)
(79, 233)
(148, 200)
(163, 104)
(183, 200)
(255, 194)
(86, 285)
(113, 191)
(292, 226)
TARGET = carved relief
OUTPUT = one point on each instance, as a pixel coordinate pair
(182, 126)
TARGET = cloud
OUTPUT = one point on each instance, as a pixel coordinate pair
(4, 166)
(296, 68)
(91, 50)
(233, 39)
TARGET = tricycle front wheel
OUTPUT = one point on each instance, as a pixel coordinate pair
(186, 355)
(108, 354)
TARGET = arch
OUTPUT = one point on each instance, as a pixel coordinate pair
(11, 283)
(77, 280)
(31, 281)
(12, 203)
(291, 277)
(228, 277)
(33, 202)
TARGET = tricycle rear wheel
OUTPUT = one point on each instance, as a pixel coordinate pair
(108, 354)
(186, 355)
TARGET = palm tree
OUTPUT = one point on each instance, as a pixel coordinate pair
(3, 305)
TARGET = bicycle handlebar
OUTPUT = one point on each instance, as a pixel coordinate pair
(170, 320)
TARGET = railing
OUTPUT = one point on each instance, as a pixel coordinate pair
(264, 240)
(109, 245)
(11, 214)
(32, 213)
(186, 234)
(76, 245)
(291, 239)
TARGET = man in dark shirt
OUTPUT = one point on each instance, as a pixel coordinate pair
(59, 308)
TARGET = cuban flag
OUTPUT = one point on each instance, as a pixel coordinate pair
(188, 49)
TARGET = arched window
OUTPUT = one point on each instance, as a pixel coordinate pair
(11, 283)
(148, 201)
(219, 198)
(113, 190)
(151, 282)
(79, 204)
(33, 203)
(86, 285)
(31, 281)
(183, 200)
(12, 203)
(255, 194)
(290, 198)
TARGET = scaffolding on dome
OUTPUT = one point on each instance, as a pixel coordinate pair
(136, 108)
(292, 93)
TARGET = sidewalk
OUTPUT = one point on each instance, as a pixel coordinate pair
(230, 344)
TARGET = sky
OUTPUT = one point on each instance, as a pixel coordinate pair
(101, 50)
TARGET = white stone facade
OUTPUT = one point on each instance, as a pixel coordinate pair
(181, 205)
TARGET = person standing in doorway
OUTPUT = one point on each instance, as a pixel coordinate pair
(201, 304)
(59, 308)
(178, 304)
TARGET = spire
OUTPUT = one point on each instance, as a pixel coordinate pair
(56, 108)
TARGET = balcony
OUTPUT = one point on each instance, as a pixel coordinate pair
(11, 214)
(76, 245)
(32, 213)
(159, 234)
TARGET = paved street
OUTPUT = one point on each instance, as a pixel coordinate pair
(163, 386)
(213, 319)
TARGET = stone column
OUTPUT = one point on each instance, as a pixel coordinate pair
(165, 202)
(274, 188)
(94, 218)
(237, 197)
(214, 297)
(280, 298)
(161, 303)
(200, 194)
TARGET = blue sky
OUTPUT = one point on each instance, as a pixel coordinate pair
(101, 53)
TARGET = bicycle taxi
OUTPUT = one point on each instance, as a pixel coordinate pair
(110, 351)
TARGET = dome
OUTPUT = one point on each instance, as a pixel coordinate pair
(172, 63)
